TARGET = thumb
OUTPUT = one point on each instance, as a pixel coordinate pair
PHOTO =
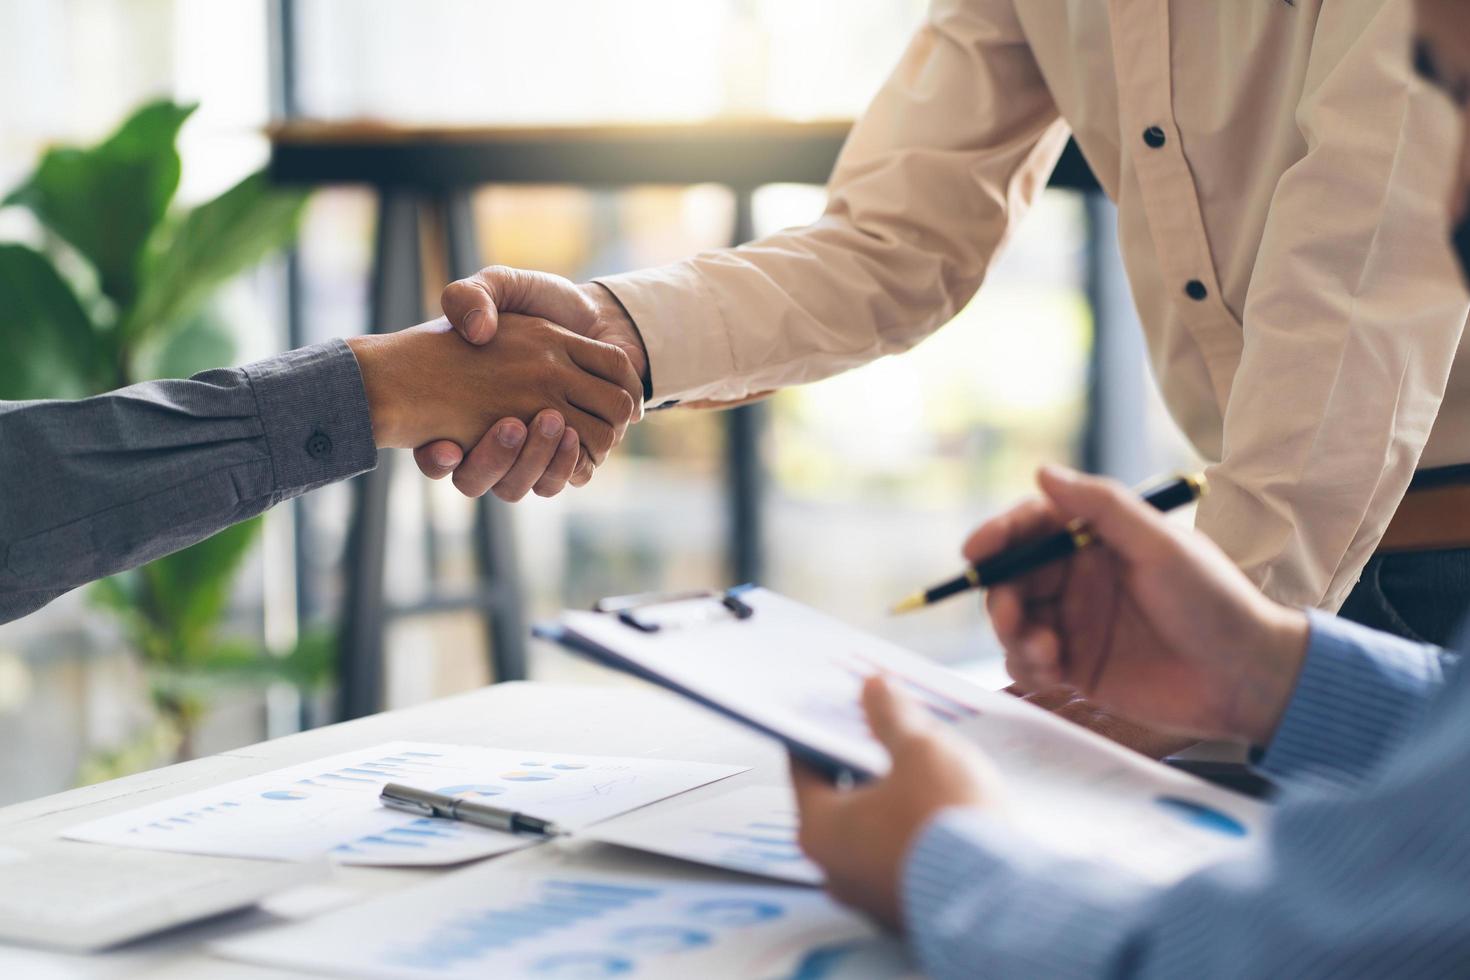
(474, 305)
(892, 717)
(1131, 528)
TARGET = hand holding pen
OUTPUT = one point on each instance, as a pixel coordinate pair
(1154, 622)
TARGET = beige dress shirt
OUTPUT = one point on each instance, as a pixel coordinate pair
(1281, 179)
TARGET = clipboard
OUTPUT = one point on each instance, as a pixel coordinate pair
(794, 674)
(683, 619)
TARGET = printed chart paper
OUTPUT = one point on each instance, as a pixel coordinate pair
(329, 808)
(751, 830)
(484, 922)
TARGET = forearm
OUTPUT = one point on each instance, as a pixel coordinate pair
(941, 166)
(1360, 692)
(97, 486)
(979, 900)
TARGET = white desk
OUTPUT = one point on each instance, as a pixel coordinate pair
(542, 717)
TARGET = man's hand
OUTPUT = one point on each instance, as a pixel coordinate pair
(541, 388)
(1153, 622)
(860, 838)
(474, 307)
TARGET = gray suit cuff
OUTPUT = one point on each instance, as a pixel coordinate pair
(314, 412)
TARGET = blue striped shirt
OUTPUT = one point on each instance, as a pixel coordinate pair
(1366, 872)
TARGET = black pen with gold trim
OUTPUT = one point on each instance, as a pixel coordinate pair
(1015, 562)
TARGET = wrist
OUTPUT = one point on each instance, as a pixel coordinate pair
(1276, 662)
(385, 406)
(616, 324)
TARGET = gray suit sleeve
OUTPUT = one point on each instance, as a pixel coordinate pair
(96, 486)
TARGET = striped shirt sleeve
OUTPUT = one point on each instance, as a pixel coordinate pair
(1360, 692)
(1360, 880)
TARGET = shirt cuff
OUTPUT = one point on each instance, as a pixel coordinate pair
(687, 340)
(1359, 693)
(314, 412)
(976, 893)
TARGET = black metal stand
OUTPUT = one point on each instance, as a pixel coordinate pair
(396, 302)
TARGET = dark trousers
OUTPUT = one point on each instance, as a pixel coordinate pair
(1422, 595)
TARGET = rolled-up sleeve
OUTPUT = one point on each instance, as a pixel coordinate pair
(1351, 323)
(942, 165)
(95, 486)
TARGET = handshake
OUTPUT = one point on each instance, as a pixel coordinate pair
(540, 384)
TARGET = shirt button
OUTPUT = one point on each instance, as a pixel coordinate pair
(1196, 290)
(319, 446)
(1154, 137)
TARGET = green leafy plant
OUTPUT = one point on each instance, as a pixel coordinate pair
(118, 294)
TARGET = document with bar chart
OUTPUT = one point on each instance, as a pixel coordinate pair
(484, 922)
(751, 830)
(329, 809)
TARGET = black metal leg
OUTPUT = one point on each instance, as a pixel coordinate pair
(397, 278)
(743, 429)
(495, 547)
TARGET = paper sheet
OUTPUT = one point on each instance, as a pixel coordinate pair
(329, 808)
(751, 830)
(800, 672)
(484, 922)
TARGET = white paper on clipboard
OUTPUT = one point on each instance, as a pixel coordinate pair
(794, 672)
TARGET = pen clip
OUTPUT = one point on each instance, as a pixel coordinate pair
(411, 800)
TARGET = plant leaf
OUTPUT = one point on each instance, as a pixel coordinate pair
(185, 594)
(211, 245)
(107, 200)
(52, 344)
(203, 342)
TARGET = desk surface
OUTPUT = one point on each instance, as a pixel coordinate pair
(547, 718)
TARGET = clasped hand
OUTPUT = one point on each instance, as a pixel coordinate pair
(480, 308)
(535, 401)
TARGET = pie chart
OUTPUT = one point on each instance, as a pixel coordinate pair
(470, 791)
(1206, 817)
(527, 776)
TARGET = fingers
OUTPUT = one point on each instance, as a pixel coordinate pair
(582, 475)
(604, 401)
(474, 305)
(597, 436)
(1024, 522)
(813, 791)
(612, 364)
(1033, 652)
(892, 717)
(542, 444)
(491, 458)
(1130, 527)
(554, 480)
(438, 459)
(1035, 660)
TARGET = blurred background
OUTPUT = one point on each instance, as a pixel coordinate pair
(845, 494)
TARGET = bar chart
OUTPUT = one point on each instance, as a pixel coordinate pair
(329, 808)
(484, 922)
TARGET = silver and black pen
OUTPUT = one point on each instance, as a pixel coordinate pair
(429, 804)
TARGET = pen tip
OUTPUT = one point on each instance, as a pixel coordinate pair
(915, 601)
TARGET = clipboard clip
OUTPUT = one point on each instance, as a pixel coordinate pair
(652, 612)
